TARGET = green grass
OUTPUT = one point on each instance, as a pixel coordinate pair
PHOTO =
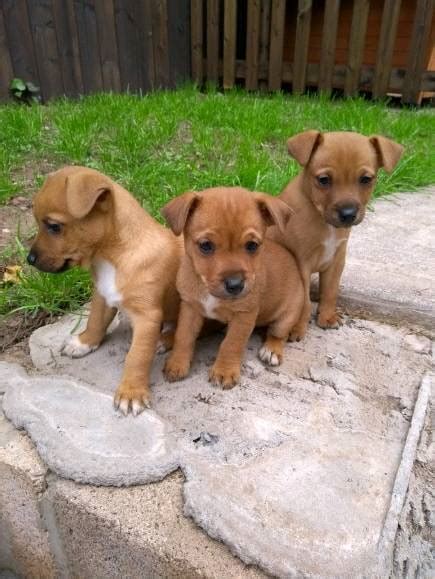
(165, 143)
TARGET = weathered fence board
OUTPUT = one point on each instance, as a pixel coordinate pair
(68, 47)
(6, 70)
(105, 13)
(86, 19)
(303, 24)
(277, 25)
(418, 50)
(252, 44)
(230, 22)
(329, 38)
(356, 45)
(390, 19)
(212, 40)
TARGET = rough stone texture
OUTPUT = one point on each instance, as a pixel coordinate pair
(79, 436)
(24, 544)
(390, 264)
(135, 532)
(290, 502)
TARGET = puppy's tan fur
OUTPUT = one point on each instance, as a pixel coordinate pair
(316, 234)
(232, 219)
(86, 219)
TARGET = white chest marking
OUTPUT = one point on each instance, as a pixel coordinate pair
(330, 246)
(209, 303)
(106, 284)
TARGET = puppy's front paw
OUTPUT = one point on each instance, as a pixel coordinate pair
(225, 376)
(176, 369)
(165, 343)
(329, 321)
(130, 397)
(269, 357)
(75, 348)
(298, 333)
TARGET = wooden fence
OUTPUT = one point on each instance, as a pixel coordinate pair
(244, 41)
(82, 46)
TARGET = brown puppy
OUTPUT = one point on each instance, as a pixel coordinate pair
(328, 197)
(86, 219)
(231, 273)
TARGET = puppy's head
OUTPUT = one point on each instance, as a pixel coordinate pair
(340, 171)
(224, 229)
(71, 211)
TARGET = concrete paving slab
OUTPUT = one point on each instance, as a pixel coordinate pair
(294, 468)
(79, 436)
(389, 273)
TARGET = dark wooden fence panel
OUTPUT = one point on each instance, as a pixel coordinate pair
(68, 47)
(6, 70)
(303, 24)
(329, 38)
(390, 19)
(356, 46)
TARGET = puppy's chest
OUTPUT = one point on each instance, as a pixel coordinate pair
(330, 245)
(210, 306)
(105, 282)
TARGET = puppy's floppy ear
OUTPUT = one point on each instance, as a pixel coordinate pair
(85, 190)
(273, 210)
(303, 145)
(177, 211)
(387, 151)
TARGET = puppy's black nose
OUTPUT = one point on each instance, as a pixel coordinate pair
(347, 214)
(234, 284)
(31, 258)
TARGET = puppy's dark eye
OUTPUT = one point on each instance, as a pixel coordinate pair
(206, 247)
(365, 179)
(53, 228)
(324, 180)
(251, 246)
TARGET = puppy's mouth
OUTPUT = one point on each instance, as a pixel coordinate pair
(67, 264)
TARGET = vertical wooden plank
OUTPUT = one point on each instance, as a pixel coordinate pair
(68, 47)
(160, 43)
(230, 15)
(418, 52)
(144, 26)
(329, 39)
(88, 45)
(180, 69)
(213, 40)
(129, 49)
(196, 21)
(252, 44)
(263, 57)
(277, 25)
(387, 36)
(6, 70)
(303, 26)
(108, 45)
(20, 41)
(356, 45)
(42, 25)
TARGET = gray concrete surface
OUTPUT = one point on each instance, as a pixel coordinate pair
(389, 273)
(287, 502)
(297, 470)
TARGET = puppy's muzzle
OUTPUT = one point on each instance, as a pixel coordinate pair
(347, 214)
(234, 285)
(48, 267)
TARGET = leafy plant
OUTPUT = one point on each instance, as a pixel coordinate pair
(24, 92)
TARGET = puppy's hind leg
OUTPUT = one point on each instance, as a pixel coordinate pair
(299, 328)
(99, 319)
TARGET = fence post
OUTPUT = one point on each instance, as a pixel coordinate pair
(387, 36)
(213, 40)
(301, 45)
(196, 16)
(417, 51)
(356, 46)
(252, 44)
(277, 26)
(230, 22)
(329, 39)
